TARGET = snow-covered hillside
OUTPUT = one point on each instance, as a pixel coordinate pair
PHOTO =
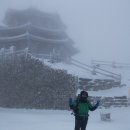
(80, 72)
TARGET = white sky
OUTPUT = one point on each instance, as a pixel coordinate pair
(100, 28)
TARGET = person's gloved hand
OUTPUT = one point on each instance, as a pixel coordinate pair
(70, 101)
(98, 103)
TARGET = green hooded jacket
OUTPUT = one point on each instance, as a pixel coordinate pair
(82, 108)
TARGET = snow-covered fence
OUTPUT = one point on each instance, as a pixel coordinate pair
(95, 70)
(6, 54)
(128, 101)
(111, 64)
(98, 84)
(117, 101)
(11, 53)
(4, 51)
(129, 97)
(52, 57)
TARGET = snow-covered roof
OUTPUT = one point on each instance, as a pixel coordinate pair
(29, 25)
(33, 37)
(33, 15)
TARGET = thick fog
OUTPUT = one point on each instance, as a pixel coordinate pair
(99, 28)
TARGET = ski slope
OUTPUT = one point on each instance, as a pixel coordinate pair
(25, 119)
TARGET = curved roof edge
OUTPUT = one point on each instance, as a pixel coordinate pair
(32, 37)
(27, 25)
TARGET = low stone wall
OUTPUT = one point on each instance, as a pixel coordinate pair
(98, 84)
(107, 102)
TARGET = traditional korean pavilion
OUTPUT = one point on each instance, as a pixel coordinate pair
(41, 32)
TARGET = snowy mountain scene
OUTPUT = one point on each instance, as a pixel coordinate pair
(64, 65)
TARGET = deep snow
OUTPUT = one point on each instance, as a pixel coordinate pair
(25, 119)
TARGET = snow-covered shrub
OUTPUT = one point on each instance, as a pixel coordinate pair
(26, 82)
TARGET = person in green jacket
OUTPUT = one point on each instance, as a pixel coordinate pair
(81, 107)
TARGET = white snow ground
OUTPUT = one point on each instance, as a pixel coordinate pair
(25, 119)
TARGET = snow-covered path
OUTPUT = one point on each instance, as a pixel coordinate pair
(22, 119)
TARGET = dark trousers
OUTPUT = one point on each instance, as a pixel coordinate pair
(81, 123)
